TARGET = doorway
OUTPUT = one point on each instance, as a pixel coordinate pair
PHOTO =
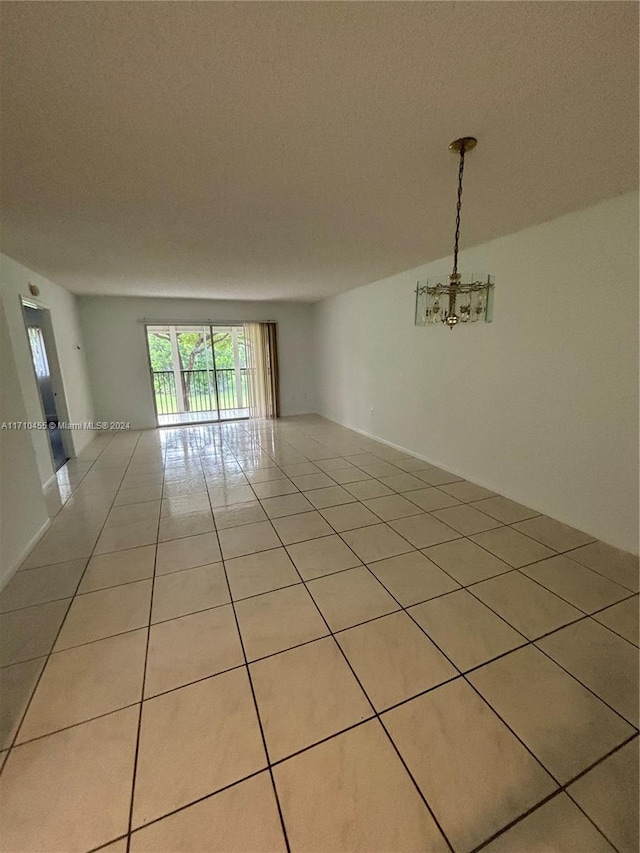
(198, 373)
(48, 378)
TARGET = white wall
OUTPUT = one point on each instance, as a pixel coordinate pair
(542, 404)
(23, 513)
(14, 283)
(118, 360)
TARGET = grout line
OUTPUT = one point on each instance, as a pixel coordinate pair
(518, 819)
(376, 715)
(332, 634)
(183, 808)
(144, 677)
(563, 789)
(568, 553)
(585, 686)
(557, 594)
(607, 755)
(556, 630)
(462, 674)
(460, 587)
(109, 843)
(58, 632)
(255, 704)
(457, 669)
(78, 723)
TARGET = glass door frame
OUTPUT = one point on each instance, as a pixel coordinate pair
(208, 327)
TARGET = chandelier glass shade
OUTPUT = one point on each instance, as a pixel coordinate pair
(456, 302)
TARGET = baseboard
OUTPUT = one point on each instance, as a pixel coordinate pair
(31, 544)
(430, 461)
(406, 450)
(478, 482)
(297, 414)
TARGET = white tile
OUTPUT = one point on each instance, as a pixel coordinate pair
(601, 660)
(565, 726)
(473, 772)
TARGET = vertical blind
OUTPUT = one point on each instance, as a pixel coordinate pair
(262, 362)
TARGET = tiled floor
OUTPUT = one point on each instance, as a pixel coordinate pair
(271, 636)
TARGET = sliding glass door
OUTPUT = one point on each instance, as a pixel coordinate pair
(198, 373)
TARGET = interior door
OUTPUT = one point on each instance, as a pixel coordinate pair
(41, 362)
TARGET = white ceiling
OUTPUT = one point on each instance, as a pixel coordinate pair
(283, 150)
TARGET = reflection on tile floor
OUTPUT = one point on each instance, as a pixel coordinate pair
(270, 636)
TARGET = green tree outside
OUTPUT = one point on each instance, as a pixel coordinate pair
(195, 354)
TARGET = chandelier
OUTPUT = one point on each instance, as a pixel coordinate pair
(458, 301)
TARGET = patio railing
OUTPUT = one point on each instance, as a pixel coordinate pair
(202, 390)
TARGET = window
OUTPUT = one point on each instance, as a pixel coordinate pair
(38, 352)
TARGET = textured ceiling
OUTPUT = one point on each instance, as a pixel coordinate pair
(294, 150)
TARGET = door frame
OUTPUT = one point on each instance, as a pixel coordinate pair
(57, 382)
(210, 325)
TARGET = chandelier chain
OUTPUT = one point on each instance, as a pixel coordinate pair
(458, 208)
